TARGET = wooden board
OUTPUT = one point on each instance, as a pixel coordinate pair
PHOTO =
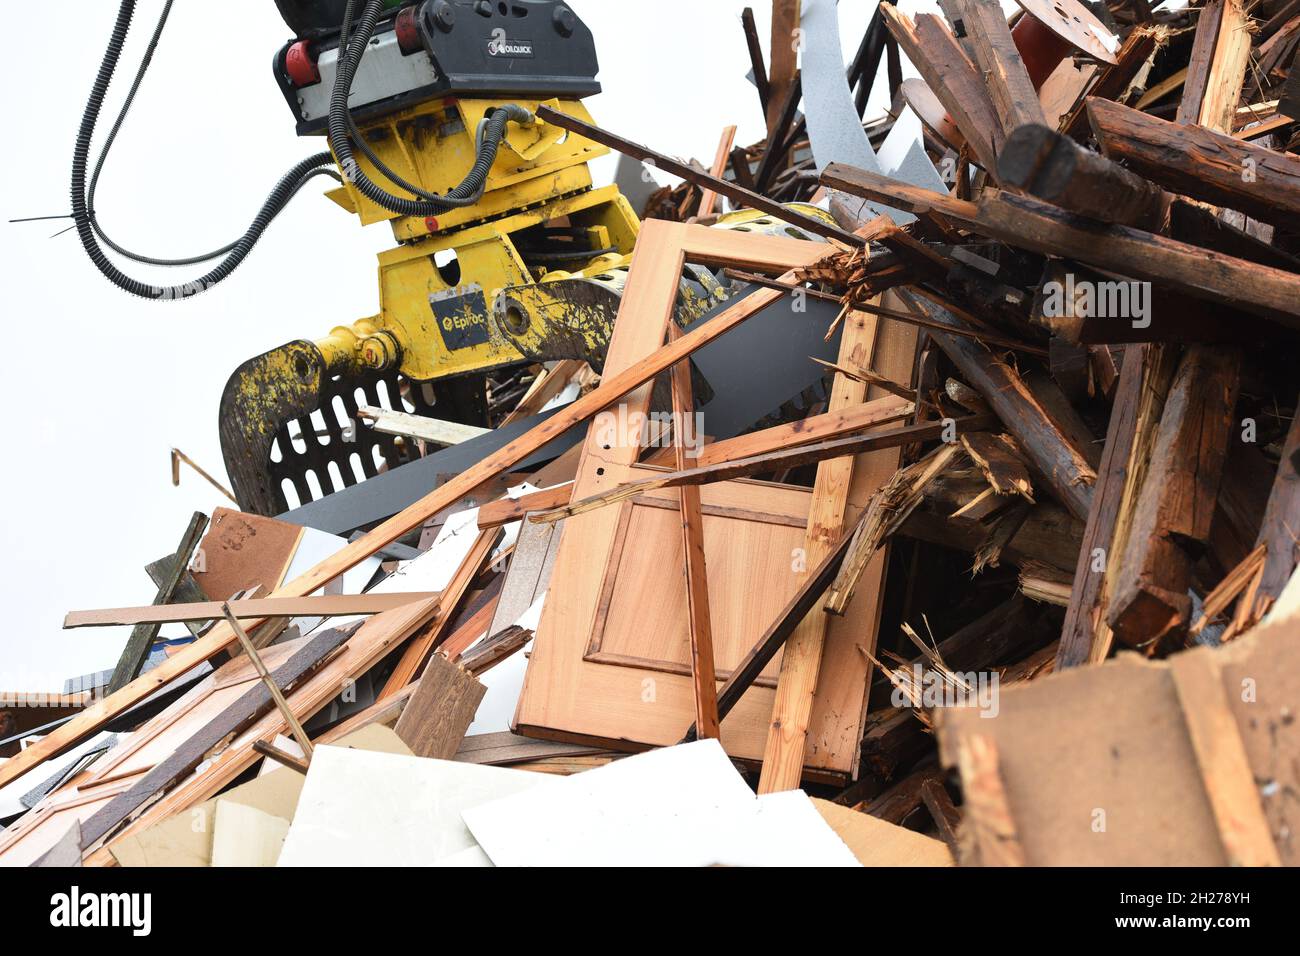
(568, 697)
(242, 552)
(435, 719)
(324, 605)
(801, 657)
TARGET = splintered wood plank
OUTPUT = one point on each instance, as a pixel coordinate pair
(988, 813)
(435, 719)
(1217, 69)
(1085, 612)
(697, 581)
(756, 250)
(1171, 520)
(952, 78)
(1013, 93)
(783, 758)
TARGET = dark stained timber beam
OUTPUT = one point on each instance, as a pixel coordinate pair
(1041, 227)
(1053, 167)
(1201, 163)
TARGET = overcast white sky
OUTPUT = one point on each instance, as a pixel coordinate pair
(101, 385)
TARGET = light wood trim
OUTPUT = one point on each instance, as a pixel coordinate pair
(783, 756)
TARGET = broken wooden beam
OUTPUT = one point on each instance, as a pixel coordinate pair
(1171, 521)
(952, 78)
(1013, 93)
(1053, 167)
(1066, 471)
(1201, 163)
(1041, 227)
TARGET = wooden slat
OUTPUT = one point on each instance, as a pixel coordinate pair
(783, 756)
(324, 605)
(674, 167)
(1013, 93)
(750, 247)
(142, 636)
(697, 580)
(776, 461)
(494, 514)
(709, 197)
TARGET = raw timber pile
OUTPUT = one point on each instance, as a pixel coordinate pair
(985, 537)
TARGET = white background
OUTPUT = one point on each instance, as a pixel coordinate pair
(98, 385)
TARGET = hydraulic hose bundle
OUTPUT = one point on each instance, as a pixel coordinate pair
(343, 136)
(83, 214)
(343, 132)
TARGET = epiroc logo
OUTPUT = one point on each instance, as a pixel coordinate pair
(75, 909)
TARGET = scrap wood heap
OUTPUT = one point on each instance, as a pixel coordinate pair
(984, 535)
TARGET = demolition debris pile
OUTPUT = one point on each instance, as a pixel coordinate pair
(971, 509)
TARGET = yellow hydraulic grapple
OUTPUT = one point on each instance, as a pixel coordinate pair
(506, 255)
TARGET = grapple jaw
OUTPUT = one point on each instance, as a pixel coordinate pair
(287, 423)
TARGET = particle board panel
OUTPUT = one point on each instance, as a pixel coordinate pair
(242, 552)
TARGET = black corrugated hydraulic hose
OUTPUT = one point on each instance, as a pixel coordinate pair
(490, 135)
(82, 216)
